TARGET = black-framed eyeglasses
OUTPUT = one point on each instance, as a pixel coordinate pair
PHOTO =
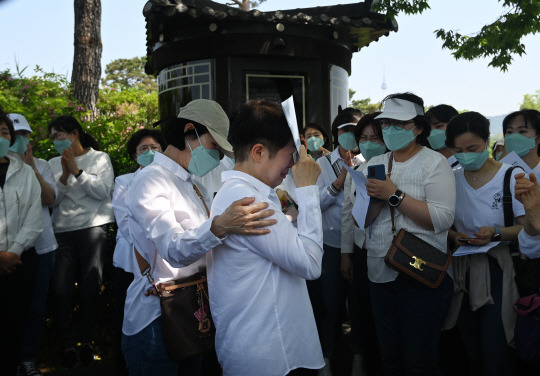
(394, 123)
(145, 148)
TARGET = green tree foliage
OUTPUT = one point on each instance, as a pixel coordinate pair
(128, 73)
(45, 96)
(40, 98)
(531, 101)
(363, 105)
(499, 40)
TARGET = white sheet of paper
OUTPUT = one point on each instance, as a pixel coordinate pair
(361, 203)
(290, 115)
(472, 249)
(514, 160)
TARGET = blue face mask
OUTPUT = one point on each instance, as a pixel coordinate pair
(519, 143)
(144, 159)
(498, 155)
(370, 149)
(347, 141)
(437, 139)
(314, 143)
(203, 160)
(4, 147)
(20, 145)
(397, 138)
(61, 145)
(472, 161)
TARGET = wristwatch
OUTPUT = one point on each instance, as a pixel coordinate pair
(395, 199)
(497, 237)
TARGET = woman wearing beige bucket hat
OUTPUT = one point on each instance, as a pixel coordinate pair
(171, 229)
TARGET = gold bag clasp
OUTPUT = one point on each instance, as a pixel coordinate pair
(417, 264)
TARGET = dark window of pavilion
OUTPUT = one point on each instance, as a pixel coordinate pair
(181, 83)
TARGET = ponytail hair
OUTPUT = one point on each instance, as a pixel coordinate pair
(68, 123)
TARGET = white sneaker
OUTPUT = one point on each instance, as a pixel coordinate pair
(28, 369)
(358, 366)
(326, 370)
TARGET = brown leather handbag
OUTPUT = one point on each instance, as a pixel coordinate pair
(414, 257)
(186, 322)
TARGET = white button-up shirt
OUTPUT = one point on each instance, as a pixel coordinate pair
(123, 256)
(169, 226)
(258, 295)
(46, 242)
(331, 199)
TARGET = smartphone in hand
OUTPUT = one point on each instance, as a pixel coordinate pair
(376, 172)
(465, 240)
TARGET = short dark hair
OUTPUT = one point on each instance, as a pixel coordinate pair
(366, 120)
(346, 115)
(68, 123)
(258, 121)
(138, 136)
(419, 120)
(320, 129)
(173, 132)
(473, 122)
(441, 112)
(6, 120)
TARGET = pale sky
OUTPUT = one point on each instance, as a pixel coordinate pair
(41, 33)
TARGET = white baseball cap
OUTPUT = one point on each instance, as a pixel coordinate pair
(210, 114)
(346, 125)
(400, 109)
(20, 123)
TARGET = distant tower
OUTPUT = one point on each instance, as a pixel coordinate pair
(383, 85)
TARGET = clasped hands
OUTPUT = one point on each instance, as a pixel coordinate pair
(69, 165)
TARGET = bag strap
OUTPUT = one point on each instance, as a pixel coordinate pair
(202, 199)
(507, 198)
(335, 166)
(507, 208)
(390, 162)
(144, 266)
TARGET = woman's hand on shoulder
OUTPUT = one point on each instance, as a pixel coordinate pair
(243, 217)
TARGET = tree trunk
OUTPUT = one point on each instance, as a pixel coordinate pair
(87, 57)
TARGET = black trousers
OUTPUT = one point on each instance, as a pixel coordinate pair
(16, 291)
(79, 259)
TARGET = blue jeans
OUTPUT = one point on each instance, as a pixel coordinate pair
(146, 355)
(483, 334)
(325, 294)
(408, 320)
(35, 321)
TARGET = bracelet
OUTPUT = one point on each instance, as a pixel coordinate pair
(79, 174)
